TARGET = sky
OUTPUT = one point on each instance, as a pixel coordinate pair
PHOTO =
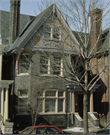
(27, 6)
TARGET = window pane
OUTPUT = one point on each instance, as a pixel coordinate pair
(50, 105)
(47, 32)
(46, 35)
(26, 130)
(60, 105)
(24, 63)
(39, 131)
(43, 64)
(23, 93)
(50, 93)
(57, 65)
(47, 29)
(60, 94)
(51, 130)
(56, 32)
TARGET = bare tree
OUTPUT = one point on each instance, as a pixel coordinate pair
(86, 48)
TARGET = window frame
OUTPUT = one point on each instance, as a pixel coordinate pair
(52, 26)
(50, 66)
(56, 101)
(19, 67)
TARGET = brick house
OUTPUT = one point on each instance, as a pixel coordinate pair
(36, 34)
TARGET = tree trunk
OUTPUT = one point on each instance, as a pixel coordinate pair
(85, 102)
(85, 113)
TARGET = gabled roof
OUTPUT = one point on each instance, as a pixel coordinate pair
(34, 25)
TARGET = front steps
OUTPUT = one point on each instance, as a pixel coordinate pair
(93, 122)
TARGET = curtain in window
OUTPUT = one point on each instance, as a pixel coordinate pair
(60, 105)
(50, 105)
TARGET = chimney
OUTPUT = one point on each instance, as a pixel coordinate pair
(14, 20)
(96, 25)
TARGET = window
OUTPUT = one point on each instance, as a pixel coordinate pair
(22, 101)
(52, 130)
(50, 105)
(52, 32)
(22, 94)
(26, 130)
(24, 63)
(53, 101)
(47, 32)
(46, 65)
(57, 65)
(39, 131)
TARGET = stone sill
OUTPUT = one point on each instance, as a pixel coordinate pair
(51, 75)
(23, 74)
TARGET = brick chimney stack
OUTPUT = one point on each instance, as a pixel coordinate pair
(14, 20)
(96, 25)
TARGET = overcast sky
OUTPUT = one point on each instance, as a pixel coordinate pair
(27, 6)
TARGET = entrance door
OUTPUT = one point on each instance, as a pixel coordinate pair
(80, 104)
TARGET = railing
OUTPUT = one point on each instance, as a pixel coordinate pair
(2, 119)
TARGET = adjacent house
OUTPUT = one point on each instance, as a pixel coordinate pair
(32, 49)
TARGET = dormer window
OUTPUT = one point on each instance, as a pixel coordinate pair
(52, 32)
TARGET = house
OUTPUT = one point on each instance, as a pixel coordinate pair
(29, 56)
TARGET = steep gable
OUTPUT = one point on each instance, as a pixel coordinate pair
(34, 26)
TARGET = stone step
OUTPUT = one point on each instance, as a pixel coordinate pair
(90, 125)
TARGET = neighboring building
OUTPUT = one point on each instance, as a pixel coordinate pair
(25, 59)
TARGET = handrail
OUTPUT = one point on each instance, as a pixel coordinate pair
(1, 117)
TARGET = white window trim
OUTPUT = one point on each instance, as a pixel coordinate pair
(22, 96)
(56, 103)
(23, 74)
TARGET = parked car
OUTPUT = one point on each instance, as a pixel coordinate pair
(105, 130)
(46, 129)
